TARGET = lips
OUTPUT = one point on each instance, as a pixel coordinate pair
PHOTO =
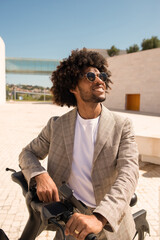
(98, 89)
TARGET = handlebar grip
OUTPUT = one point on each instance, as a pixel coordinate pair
(91, 236)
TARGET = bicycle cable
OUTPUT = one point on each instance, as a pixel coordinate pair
(59, 225)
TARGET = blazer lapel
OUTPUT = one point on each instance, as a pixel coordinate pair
(68, 126)
(106, 125)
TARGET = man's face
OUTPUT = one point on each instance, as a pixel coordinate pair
(93, 92)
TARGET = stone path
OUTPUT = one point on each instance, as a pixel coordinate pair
(19, 124)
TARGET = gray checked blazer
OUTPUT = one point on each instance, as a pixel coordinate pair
(115, 165)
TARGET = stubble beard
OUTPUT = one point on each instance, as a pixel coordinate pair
(98, 99)
(93, 98)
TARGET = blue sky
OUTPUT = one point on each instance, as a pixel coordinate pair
(50, 29)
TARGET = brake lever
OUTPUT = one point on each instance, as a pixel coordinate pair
(67, 193)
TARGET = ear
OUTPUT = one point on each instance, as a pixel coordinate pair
(74, 91)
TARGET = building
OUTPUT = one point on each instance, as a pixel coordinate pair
(2, 72)
(136, 78)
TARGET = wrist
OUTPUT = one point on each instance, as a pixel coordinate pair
(40, 176)
(102, 219)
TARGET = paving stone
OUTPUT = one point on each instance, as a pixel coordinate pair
(19, 124)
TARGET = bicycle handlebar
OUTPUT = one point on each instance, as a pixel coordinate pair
(56, 212)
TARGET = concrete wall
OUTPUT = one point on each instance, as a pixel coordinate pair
(149, 149)
(136, 73)
(2, 73)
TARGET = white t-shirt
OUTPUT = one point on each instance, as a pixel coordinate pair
(84, 141)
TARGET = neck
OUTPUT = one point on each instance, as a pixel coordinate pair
(90, 111)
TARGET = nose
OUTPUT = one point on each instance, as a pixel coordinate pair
(98, 80)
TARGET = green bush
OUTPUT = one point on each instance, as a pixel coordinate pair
(47, 98)
(132, 49)
(153, 42)
(113, 51)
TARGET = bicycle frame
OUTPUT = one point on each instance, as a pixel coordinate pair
(41, 215)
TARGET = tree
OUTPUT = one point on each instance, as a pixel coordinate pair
(113, 51)
(46, 97)
(153, 42)
(7, 92)
(132, 49)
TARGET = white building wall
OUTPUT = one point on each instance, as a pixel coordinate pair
(135, 73)
(2, 73)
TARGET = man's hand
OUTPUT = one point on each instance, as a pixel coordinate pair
(46, 188)
(80, 225)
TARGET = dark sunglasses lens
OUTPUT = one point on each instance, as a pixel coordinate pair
(103, 76)
(91, 76)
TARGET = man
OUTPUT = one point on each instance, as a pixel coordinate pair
(90, 148)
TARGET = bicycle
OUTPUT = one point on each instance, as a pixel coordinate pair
(45, 216)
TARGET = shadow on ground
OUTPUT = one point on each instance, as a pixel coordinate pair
(151, 170)
(136, 112)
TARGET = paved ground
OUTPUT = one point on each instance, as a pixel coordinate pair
(19, 124)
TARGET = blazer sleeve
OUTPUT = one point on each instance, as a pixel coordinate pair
(36, 150)
(114, 203)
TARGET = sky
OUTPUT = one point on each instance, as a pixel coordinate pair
(50, 29)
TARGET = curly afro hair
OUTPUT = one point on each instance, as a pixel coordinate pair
(70, 70)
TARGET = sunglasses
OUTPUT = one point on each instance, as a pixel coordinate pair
(91, 76)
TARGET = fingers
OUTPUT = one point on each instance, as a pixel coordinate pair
(46, 196)
(75, 227)
(42, 197)
(55, 197)
(46, 188)
(71, 225)
(80, 225)
(80, 233)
